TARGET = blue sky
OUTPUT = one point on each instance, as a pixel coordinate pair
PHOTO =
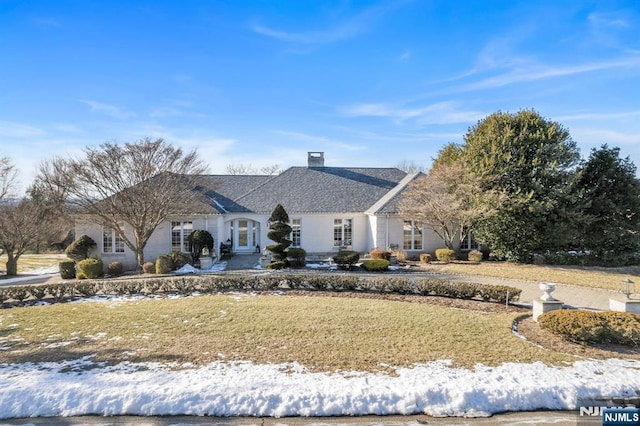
(263, 82)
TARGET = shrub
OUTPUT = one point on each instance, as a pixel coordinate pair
(279, 233)
(67, 269)
(297, 257)
(149, 268)
(380, 254)
(115, 268)
(399, 285)
(90, 268)
(278, 264)
(79, 249)
(401, 255)
(345, 283)
(425, 258)
(198, 241)
(179, 259)
(593, 327)
(498, 293)
(445, 255)
(345, 259)
(164, 264)
(375, 265)
(475, 256)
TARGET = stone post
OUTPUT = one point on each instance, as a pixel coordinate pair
(546, 303)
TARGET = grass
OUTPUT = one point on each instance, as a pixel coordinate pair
(322, 333)
(29, 262)
(594, 277)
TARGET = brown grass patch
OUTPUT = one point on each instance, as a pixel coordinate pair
(595, 277)
(322, 333)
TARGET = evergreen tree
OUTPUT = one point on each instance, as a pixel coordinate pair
(279, 233)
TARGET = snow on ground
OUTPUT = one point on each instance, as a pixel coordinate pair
(245, 389)
(188, 269)
(45, 271)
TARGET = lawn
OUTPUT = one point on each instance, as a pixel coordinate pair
(29, 262)
(322, 333)
(595, 277)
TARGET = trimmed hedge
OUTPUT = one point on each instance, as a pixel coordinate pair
(67, 269)
(164, 264)
(79, 249)
(115, 268)
(475, 256)
(380, 254)
(445, 255)
(593, 327)
(179, 259)
(296, 257)
(375, 265)
(149, 268)
(211, 284)
(425, 258)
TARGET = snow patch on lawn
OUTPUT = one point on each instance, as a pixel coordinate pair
(244, 389)
(189, 269)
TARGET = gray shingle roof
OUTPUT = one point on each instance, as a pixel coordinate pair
(222, 190)
(321, 190)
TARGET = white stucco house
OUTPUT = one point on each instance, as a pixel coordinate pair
(329, 208)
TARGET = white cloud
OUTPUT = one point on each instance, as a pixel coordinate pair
(10, 129)
(348, 28)
(446, 112)
(110, 110)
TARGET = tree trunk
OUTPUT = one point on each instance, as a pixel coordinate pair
(12, 264)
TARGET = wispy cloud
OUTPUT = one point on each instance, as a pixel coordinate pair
(47, 22)
(10, 129)
(438, 113)
(541, 72)
(611, 19)
(598, 116)
(348, 28)
(110, 110)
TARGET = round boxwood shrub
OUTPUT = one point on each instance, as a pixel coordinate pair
(115, 268)
(149, 268)
(345, 259)
(297, 257)
(67, 269)
(445, 255)
(380, 254)
(278, 264)
(375, 265)
(179, 259)
(593, 327)
(164, 264)
(425, 258)
(91, 268)
(475, 256)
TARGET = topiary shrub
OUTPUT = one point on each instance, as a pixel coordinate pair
(345, 259)
(297, 257)
(279, 233)
(425, 258)
(80, 276)
(375, 265)
(593, 327)
(475, 256)
(79, 249)
(115, 268)
(149, 268)
(198, 241)
(179, 259)
(91, 268)
(276, 265)
(164, 264)
(380, 254)
(445, 255)
(67, 269)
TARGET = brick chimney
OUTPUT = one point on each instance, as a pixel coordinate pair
(315, 159)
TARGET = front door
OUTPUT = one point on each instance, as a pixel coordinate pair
(245, 235)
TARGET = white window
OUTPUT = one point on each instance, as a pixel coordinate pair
(412, 235)
(180, 232)
(111, 242)
(296, 233)
(467, 242)
(342, 232)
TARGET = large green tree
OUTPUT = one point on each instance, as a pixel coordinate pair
(530, 159)
(279, 233)
(608, 194)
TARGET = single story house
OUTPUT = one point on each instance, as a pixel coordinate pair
(329, 208)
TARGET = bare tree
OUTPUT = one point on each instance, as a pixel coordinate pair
(19, 226)
(139, 184)
(8, 177)
(410, 166)
(248, 169)
(446, 201)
